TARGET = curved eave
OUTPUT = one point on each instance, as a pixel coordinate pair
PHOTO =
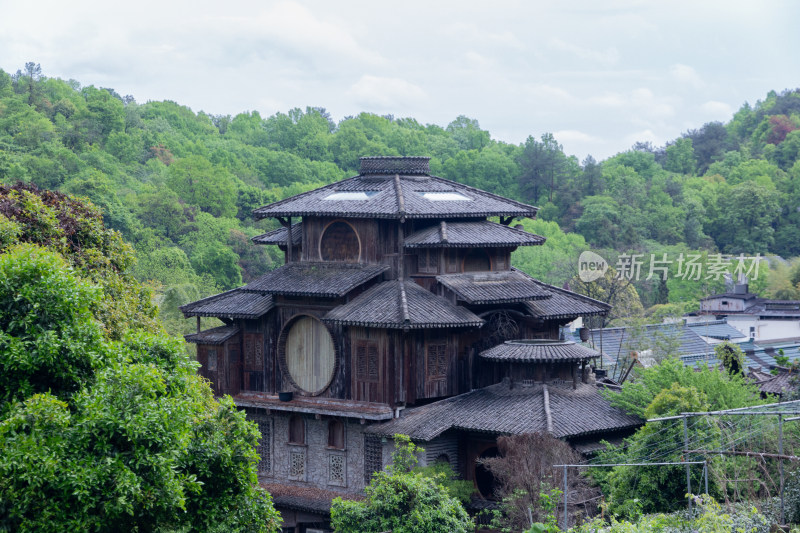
(395, 325)
(473, 245)
(395, 216)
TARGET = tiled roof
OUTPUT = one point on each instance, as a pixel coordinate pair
(539, 351)
(278, 236)
(772, 384)
(681, 340)
(467, 234)
(396, 304)
(500, 409)
(564, 304)
(330, 280)
(315, 405)
(408, 193)
(716, 329)
(230, 304)
(308, 499)
(493, 287)
(213, 335)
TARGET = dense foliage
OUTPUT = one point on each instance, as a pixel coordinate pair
(181, 185)
(104, 423)
(402, 500)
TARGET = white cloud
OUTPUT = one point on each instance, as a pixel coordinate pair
(717, 110)
(575, 136)
(609, 56)
(686, 74)
(385, 93)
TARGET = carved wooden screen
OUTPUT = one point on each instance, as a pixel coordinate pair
(436, 361)
(253, 367)
(367, 371)
(339, 242)
(428, 261)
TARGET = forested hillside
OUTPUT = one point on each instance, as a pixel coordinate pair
(181, 185)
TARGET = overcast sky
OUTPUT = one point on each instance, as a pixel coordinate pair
(599, 74)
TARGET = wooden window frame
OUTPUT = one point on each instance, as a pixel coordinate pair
(336, 428)
(368, 361)
(436, 361)
(298, 421)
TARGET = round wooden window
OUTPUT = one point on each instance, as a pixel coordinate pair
(339, 242)
(309, 355)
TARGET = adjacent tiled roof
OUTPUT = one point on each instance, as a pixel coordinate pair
(564, 304)
(278, 236)
(308, 499)
(682, 340)
(396, 304)
(213, 335)
(315, 405)
(755, 306)
(330, 280)
(230, 304)
(467, 234)
(524, 351)
(772, 384)
(493, 287)
(716, 329)
(380, 192)
(500, 409)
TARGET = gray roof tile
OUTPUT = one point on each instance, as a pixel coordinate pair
(400, 195)
(331, 280)
(499, 409)
(564, 304)
(382, 306)
(494, 287)
(278, 236)
(230, 304)
(466, 234)
(525, 351)
(213, 335)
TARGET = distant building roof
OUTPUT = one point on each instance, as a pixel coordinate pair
(396, 304)
(399, 188)
(679, 339)
(564, 304)
(230, 304)
(308, 499)
(213, 336)
(494, 287)
(278, 236)
(716, 329)
(331, 280)
(315, 405)
(524, 351)
(468, 234)
(501, 409)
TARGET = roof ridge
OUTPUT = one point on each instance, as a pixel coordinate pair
(257, 213)
(208, 298)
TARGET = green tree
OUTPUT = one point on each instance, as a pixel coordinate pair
(198, 182)
(115, 435)
(401, 501)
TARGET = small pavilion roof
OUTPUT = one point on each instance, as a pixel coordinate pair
(401, 304)
(230, 304)
(564, 304)
(506, 410)
(467, 234)
(396, 188)
(494, 287)
(213, 335)
(331, 280)
(278, 236)
(539, 351)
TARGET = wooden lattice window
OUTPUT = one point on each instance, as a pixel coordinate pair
(336, 469)
(428, 261)
(254, 352)
(212, 359)
(477, 260)
(367, 362)
(297, 430)
(336, 434)
(452, 260)
(297, 464)
(436, 361)
(373, 456)
(264, 447)
(339, 242)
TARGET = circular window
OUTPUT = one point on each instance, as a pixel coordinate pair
(339, 242)
(309, 355)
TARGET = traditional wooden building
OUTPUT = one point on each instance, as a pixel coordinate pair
(392, 314)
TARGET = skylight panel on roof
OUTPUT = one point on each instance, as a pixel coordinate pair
(351, 195)
(445, 196)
